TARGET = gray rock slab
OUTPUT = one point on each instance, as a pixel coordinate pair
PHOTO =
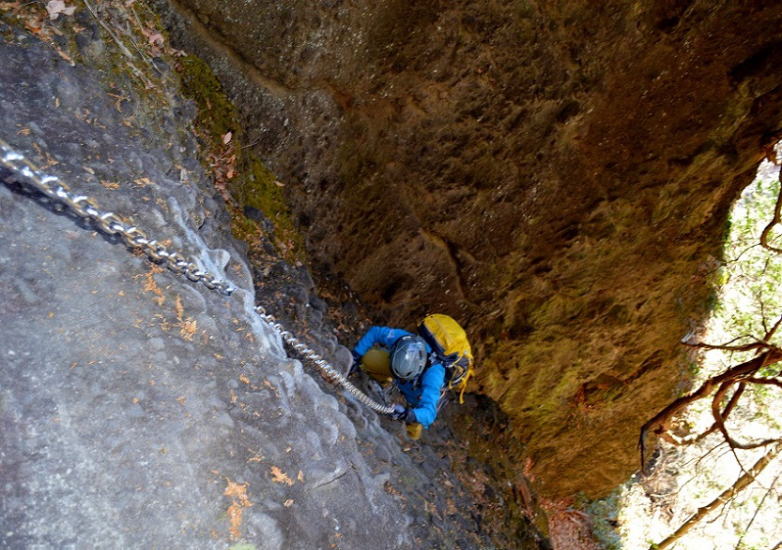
(140, 410)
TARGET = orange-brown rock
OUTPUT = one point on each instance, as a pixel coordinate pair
(555, 174)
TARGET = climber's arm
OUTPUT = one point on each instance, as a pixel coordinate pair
(382, 336)
(431, 385)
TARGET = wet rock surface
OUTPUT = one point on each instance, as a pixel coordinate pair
(141, 410)
(555, 175)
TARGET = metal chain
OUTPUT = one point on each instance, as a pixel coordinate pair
(107, 222)
(329, 372)
(111, 224)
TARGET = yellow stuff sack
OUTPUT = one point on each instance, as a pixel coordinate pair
(449, 343)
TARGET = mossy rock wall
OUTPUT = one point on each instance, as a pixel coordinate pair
(554, 174)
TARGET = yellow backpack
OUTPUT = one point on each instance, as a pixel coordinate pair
(451, 347)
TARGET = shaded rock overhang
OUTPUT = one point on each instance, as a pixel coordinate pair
(555, 175)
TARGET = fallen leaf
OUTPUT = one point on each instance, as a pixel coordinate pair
(65, 56)
(57, 7)
(179, 308)
(227, 138)
(391, 490)
(187, 329)
(142, 182)
(237, 492)
(278, 476)
(156, 39)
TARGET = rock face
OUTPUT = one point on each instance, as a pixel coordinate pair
(139, 409)
(556, 175)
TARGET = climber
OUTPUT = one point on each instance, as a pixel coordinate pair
(392, 354)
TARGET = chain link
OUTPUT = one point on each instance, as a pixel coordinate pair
(111, 224)
(107, 222)
(329, 372)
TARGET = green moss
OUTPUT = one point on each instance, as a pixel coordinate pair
(253, 185)
(216, 114)
(257, 188)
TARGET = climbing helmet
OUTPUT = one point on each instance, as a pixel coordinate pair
(408, 358)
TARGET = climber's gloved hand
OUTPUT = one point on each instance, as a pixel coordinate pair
(405, 415)
(399, 412)
(356, 362)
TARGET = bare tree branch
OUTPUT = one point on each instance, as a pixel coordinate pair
(720, 420)
(770, 334)
(713, 428)
(772, 381)
(738, 372)
(762, 304)
(740, 484)
(759, 506)
(757, 344)
(774, 221)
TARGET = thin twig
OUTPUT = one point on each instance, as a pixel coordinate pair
(770, 334)
(146, 58)
(764, 241)
(734, 399)
(771, 381)
(740, 484)
(720, 420)
(757, 344)
(701, 458)
(121, 45)
(760, 505)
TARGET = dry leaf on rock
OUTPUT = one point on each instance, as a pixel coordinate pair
(156, 39)
(278, 476)
(238, 494)
(56, 7)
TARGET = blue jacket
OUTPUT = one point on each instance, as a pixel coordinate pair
(423, 393)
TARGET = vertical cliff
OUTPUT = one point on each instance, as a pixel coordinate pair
(139, 409)
(554, 174)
